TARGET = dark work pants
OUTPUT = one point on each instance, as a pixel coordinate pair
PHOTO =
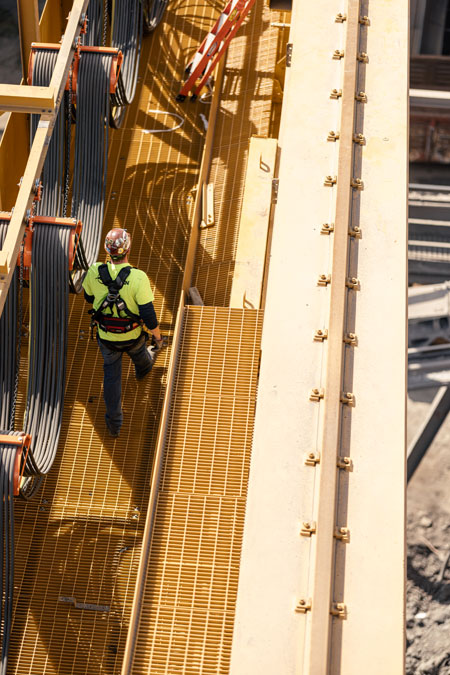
(112, 380)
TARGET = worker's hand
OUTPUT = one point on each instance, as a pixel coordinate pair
(158, 345)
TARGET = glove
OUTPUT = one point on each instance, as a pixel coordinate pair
(157, 346)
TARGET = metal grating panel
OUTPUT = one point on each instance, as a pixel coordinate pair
(245, 111)
(187, 621)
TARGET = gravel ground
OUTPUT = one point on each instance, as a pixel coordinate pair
(428, 536)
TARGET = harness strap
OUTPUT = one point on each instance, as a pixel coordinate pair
(108, 322)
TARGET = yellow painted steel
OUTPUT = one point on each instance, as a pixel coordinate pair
(18, 98)
(28, 20)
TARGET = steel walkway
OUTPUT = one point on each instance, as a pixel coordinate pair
(78, 543)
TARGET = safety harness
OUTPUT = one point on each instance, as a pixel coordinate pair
(108, 322)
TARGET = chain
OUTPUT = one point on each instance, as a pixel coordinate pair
(19, 342)
(68, 128)
(105, 21)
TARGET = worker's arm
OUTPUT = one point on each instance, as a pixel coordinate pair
(148, 315)
(89, 298)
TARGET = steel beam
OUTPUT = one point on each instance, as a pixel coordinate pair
(28, 20)
(21, 98)
(436, 415)
(321, 582)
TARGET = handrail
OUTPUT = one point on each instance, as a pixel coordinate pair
(154, 490)
(38, 152)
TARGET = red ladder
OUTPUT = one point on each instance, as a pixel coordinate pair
(213, 46)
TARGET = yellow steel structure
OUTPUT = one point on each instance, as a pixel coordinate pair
(133, 558)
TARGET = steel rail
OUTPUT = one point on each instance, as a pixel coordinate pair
(318, 649)
(38, 152)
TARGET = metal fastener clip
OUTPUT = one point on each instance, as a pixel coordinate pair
(303, 606)
(336, 93)
(343, 534)
(324, 279)
(327, 228)
(316, 394)
(355, 232)
(338, 54)
(353, 283)
(333, 136)
(351, 339)
(339, 609)
(312, 458)
(347, 398)
(344, 463)
(308, 529)
(330, 180)
(359, 139)
(361, 96)
(320, 335)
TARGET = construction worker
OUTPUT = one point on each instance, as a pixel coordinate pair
(122, 300)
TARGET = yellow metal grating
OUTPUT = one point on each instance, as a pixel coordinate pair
(245, 111)
(77, 542)
(187, 620)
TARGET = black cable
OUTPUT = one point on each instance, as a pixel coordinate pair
(91, 150)
(127, 27)
(58, 154)
(7, 470)
(153, 13)
(8, 340)
(49, 296)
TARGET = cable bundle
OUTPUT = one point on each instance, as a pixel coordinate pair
(127, 23)
(91, 149)
(49, 291)
(153, 13)
(7, 466)
(55, 166)
(8, 337)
